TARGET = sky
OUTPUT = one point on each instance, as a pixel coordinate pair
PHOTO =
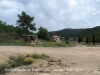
(53, 14)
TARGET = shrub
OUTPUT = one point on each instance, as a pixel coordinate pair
(6, 64)
(18, 61)
(28, 60)
(28, 55)
(3, 66)
(67, 41)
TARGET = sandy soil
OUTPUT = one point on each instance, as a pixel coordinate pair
(75, 60)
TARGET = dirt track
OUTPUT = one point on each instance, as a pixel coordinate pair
(85, 58)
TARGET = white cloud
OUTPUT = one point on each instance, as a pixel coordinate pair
(53, 14)
(72, 3)
(97, 12)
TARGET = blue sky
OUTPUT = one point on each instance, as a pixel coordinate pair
(53, 14)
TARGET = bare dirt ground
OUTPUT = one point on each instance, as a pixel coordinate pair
(79, 60)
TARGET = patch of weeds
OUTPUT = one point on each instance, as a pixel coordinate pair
(59, 60)
(3, 66)
(53, 60)
(40, 56)
(99, 70)
(54, 44)
(41, 65)
(18, 61)
(12, 42)
(61, 44)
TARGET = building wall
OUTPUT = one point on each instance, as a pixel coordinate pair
(55, 39)
(30, 39)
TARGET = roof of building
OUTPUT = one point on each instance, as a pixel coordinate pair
(55, 36)
(31, 35)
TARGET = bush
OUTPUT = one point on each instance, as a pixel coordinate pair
(28, 60)
(28, 55)
(3, 66)
(18, 61)
(67, 41)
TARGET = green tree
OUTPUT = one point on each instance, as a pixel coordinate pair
(88, 40)
(26, 22)
(43, 33)
(97, 37)
(51, 33)
(93, 39)
(66, 38)
(80, 39)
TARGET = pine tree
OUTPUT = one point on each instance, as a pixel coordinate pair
(80, 39)
(87, 40)
(25, 22)
(93, 39)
